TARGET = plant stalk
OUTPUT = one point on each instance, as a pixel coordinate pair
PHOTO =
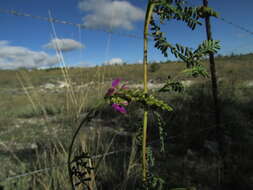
(149, 11)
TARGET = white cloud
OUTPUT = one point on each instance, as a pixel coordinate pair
(110, 14)
(4, 42)
(114, 61)
(13, 57)
(64, 44)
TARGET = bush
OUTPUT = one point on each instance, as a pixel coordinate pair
(154, 67)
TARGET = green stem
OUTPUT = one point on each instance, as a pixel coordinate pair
(149, 11)
(144, 142)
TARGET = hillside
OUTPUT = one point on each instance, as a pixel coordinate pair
(40, 109)
(236, 67)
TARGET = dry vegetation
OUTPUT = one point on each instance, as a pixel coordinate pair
(41, 108)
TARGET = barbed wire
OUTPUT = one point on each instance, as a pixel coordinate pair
(25, 174)
(227, 21)
(110, 31)
(236, 25)
(95, 157)
(83, 26)
(47, 169)
(78, 25)
(106, 154)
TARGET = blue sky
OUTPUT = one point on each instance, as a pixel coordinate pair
(27, 42)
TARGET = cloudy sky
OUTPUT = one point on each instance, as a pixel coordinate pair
(29, 42)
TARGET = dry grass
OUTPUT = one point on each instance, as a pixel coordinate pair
(46, 117)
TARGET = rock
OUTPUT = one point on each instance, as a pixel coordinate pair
(34, 146)
(249, 84)
(49, 86)
(63, 84)
(187, 83)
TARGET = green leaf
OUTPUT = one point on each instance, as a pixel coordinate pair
(172, 85)
(196, 71)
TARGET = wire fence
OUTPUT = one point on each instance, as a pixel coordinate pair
(109, 30)
(83, 26)
(236, 25)
(113, 32)
(64, 22)
(227, 21)
(42, 170)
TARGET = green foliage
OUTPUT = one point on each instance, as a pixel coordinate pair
(167, 10)
(196, 71)
(172, 86)
(184, 53)
(138, 96)
(206, 47)
(153, 182)
(161, 125)
(190, 15)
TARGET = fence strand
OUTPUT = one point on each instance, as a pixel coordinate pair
(78, 25)
(92, 157)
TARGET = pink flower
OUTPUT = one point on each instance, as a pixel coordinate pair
(119, 108)
(116, 82)
(117, 90)
(115, 86)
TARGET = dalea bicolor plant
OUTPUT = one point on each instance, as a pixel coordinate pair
(119, 95)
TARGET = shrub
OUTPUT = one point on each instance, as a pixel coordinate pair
(154, 67)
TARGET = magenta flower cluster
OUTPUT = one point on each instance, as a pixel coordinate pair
(119, 108)
(114, 89)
